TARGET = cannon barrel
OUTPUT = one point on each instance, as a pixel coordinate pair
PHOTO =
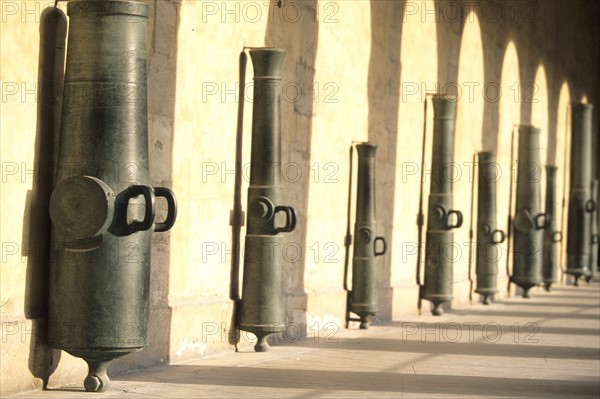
(488, 236)
(262, 306)
(364, 268)
(437, 284)
(551, 236)
(594, 234)
(102, 207)
(580, 202)
(529, 221)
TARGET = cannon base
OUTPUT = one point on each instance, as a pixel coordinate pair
(262, 334)
(437, 301)
(526, 291)
(548, 283)
(437, 309)
(365, 312)
(262, 345)
(589, 274)
(97, 379)
(365, 321)
(526, 284)
(576, 274)
(487, 294)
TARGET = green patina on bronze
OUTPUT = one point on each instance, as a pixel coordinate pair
(439, 241)
(102, 207)
(262, 307)
(594, 233)
(364, 267)
(580, 201)
(488, 236)
(529, 221)
(551, 236)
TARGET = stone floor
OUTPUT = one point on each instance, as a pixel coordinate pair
(544, 347)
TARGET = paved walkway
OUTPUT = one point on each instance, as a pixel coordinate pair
(544, 347)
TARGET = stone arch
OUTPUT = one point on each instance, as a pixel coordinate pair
(539, 118)
(468, 136)
(509, 116)
(419, 73)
